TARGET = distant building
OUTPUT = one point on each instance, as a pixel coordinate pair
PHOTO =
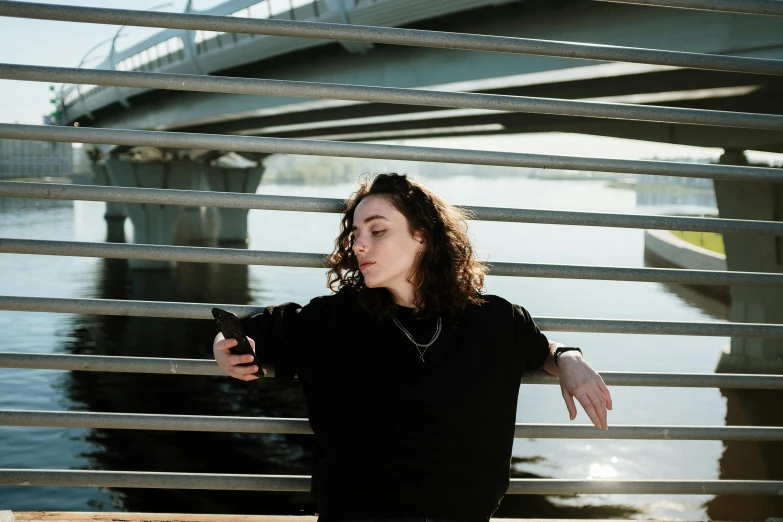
(35, 159)
(81, 162)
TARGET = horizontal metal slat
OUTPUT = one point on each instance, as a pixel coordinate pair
(333, 205)
(758, 7)
(184, 140)
(136, 421)
(313, 260)
(138, 479)
(168, 366)
(389, 35)
(554, 324)
(372, 94)
(123, 364)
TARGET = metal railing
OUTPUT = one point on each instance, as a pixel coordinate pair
(291, 483)
(161, 366)
(309, 260)
(400, 96)
(176, 310)
(759, 7)
(364, 93)
(137, 421)
(153, 196)
(175, 140)
(391, 36)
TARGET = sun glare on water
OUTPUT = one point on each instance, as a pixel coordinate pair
(602, 471)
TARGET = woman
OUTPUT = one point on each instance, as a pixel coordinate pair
(411, 375)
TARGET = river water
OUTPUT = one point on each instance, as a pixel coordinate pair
(60, 448)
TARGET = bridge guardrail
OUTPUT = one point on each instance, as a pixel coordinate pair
(312, 260)
(759, 7)
(331, 205)
(391, 36)
(364, 93)
(253, 144)
(168, 366)
(178, 310)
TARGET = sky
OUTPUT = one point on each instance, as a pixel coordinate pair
(65, 44)
(61, 44)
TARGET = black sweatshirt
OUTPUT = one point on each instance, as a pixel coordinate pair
(395, 437)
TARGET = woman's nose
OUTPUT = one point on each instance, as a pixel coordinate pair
(359, 246)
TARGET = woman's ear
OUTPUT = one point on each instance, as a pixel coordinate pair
(419, 237)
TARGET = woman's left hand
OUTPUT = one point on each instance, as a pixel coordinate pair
(578, 379)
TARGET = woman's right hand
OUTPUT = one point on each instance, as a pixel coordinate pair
(231, 364)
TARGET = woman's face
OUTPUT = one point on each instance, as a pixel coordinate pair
(384, 247)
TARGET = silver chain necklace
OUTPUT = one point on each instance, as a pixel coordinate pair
(419, 346)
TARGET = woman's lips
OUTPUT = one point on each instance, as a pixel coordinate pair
(365, 265)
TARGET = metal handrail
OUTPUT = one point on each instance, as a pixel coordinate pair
(758, 7)
(229, 424)
(392, 95)
(390, 35)
(553, 324)
(261, 145)
(190, 254)
(291, 483)
(208, 367)
(152, 196)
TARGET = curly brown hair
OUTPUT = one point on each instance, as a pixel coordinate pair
(448, 277)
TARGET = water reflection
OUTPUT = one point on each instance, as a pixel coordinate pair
(190, 452)
(553, 506)
(601, 471)
(713, 300)
(750, 460)
(14, 208)
(741, 460)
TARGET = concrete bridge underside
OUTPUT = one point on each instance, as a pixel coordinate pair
(496, 73)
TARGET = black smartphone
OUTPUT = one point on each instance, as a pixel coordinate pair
(231, 328)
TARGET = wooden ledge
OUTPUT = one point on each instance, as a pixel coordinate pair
(69, 516)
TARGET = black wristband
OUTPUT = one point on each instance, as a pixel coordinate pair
(564, 349)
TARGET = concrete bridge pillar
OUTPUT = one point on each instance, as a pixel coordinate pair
(182, 225)
(153, 224)
(233, 221)
(755, 253)
(115, 212)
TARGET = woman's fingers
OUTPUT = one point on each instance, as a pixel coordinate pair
(224, 345)
(235, 360)
(578, 379)
(596, 398)
(236, 366)
(605, 392)
(584, 400)
(569, 400)
(249, 371)
(241, 372)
